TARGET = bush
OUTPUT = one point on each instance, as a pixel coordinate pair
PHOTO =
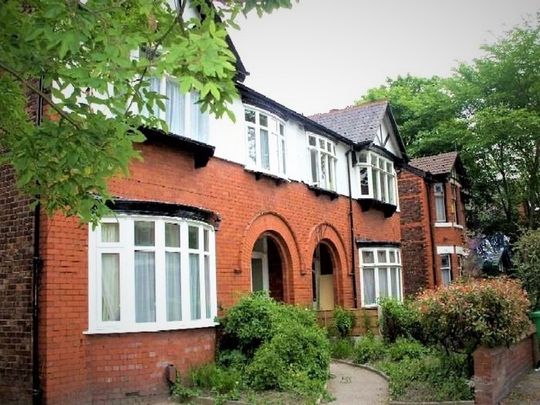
(399, 320)
(217, 379)
(368, 350)
(464, 315)
(232, 358)
(406, 349)
(341, 348)
(344, 321)
(527, 262)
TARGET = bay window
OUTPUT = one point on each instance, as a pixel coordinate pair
(380, 274)
(265, 142)
(182, 112)
(322, 157)
(377, 177)
(151, 273)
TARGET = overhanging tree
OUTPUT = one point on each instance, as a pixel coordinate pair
(78, 57)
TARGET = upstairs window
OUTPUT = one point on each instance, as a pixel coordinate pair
(440, 206)
(322, 155)
(265, 142)
(454, 207)
(377, 177)
(182, 112)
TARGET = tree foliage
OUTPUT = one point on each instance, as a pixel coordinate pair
(489, 110)
(93, 86)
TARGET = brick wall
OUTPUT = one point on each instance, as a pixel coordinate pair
(82, 368)
(496, 370)
(16, 241)
(416, 246)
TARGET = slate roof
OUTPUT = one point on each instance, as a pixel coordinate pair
(358, 123)
(436, 164)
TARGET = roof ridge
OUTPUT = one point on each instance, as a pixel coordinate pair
(350, 107)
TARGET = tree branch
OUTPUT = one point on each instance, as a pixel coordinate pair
(39, 93)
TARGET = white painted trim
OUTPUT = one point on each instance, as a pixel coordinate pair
(460, 250)
(448, 225)
(444, 250)
(375, 266)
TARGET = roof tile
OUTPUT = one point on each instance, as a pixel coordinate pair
(436, 164)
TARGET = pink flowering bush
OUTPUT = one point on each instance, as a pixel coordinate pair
(464, 315)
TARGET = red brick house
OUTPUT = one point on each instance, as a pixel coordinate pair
(432, 221)
(307, 209)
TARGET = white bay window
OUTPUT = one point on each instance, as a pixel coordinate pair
(265, 142)
(377, 177)
(151, 273)
(380, 274)
(322, 157)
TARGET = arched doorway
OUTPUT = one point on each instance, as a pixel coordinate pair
(323, 278)
(267, 267)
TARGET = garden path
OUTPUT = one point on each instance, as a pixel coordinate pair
(355, 385)
(526, 391)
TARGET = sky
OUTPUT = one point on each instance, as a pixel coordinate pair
(324, 54)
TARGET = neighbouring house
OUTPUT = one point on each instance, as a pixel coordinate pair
(434, 241)
(305, 208)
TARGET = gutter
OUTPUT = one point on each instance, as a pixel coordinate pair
(37, 264)
(351, 224)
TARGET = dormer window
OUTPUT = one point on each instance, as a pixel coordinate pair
(182, 112)
(265, 142)
(377, 177)
(322, 156)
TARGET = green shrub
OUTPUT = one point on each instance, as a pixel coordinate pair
(399, 320)
(368, 350)
(406, 349)
(217, 379)
(344, 321)
(527, 262)
(232, 358)
(341, 348)
(183, 393)
(464, 315)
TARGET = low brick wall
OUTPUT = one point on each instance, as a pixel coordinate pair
(496, 370)
(365, 319)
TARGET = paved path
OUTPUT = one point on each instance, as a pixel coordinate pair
(354, 385)
(526, 391)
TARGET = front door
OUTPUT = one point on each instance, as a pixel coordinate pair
(323, 276)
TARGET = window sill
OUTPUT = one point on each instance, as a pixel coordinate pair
(448, 225)
(386, 208)
(150, 328)
(259, 174)
(322, 191)
(201, 151)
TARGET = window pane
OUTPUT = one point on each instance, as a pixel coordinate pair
(445, 260)
(193, 233)
(199, 120)
(195, 286)
(363, 157)
(173, 281)
(321, 143)
(323, 178)
(259, 245)
(383, 186)
(144, 233)
(383, 282)
(375, 183)
(252, 145)
(172, 235)
(174, 108)
(394, 282)
(257, 283)
(312, 141)
(331, 174)
(314, 165)
(265, 150)
(207, 287)
(145, 287)
(364, 181)
(281, 129)
(283, 157)
(390, 181)
(392, 255)
(110, 232)
(367, 257)
(250, 116)
(206, 236)
(369, 286)
(439, 205)
(110, 287)
(263, 120)
(389, 167)
(381, 256)
(446, 276)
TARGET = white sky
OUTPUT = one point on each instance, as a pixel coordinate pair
(324, 54)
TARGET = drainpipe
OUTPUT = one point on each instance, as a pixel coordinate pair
(351, 223)
(431, 237)
(36, 270)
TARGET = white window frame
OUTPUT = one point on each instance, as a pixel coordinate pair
(439, 194)
(126, 249)
(383, 177)
(446, 269)
(277, 146)
(376, 265)
(195, 123)
(263, 256)
(325, 156)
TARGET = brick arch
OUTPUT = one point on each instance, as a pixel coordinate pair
(327, 234)
(276, 227)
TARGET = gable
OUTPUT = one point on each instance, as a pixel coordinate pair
(386, 137)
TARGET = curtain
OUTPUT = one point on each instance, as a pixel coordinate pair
(145, 287)
(174, 297)
(110, 287)
(369, 285)
(199, 120)
(440, 208)
(265, 150)
(174, 108)
(195, 286)
(383, 282)
(110, 233)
